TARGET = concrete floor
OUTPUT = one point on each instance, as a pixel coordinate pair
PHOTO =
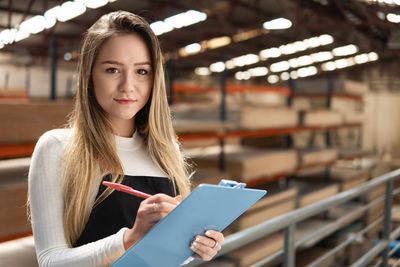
(18, 253)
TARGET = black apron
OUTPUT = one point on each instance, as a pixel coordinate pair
(119, 209)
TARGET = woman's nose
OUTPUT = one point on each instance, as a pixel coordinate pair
(127, 83)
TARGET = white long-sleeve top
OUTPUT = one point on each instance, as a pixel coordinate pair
(46, 201)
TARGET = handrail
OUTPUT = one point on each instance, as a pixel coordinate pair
(289, 220)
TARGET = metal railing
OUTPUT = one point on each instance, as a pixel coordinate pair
(287, 222)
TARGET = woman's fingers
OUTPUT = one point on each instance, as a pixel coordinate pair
(206, 247)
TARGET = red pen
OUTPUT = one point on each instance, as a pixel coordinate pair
(126, 189)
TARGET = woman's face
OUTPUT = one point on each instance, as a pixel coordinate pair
(122, 78)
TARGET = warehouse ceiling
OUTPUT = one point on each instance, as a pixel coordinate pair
(359, 22)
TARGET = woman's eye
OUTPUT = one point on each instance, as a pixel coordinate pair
(112, 70)
(142, 72)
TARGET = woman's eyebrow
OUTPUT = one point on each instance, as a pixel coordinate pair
(142, 63)
(113, 62)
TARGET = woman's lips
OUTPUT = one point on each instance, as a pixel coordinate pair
(124, 101)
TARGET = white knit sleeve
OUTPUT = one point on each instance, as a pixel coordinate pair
(46, 203)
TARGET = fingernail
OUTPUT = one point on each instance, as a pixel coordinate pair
(208, 233)
(194, 244)
(192, 247)
(197, 239)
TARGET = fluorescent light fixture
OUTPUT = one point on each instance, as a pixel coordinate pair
(273, 79)
(293, 62)
(51, 16)
(20, 35)
(258, 71)
(373, 56)
(242, 75)
(288, 49)
(305, 60)
(300, 46)
(7, 36)
(394, 18)
(279, 66)
(33, 25)
(307, 71)
(345, 50)
(95, 3)
(270, 53)
(313, 42)
(202, 71)
(193, 48)
(361, 59)
(285, 76)
(325, 39)
(341, 63)
(328, 66)
(294, 75)
(1, 45)
(70, 10)
(217, 67)
(218, 42)
(160, 27)
(245, 60)
(230, 64)
(112, 1)
(277, 24)
(321, 56)
(185, 19)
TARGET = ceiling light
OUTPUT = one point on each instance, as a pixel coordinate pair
(325, 39)
(202, 71)
(285, 76)
(293, 62)
(159, 27)
(1, 45)
(328, 66)
(67, 56)
(341, 63)
(7, 36)
(294, 75)
(279, 66)
(288, 49)
(373, 56)
(259, 71)
(394, 18)
(305, 60)
(218, 42)
(312, 42)
(217, 67)
(51, 16)
(245, 60)
(230, 64)
(242, 75)
(300, 46)
(345, 50)
(277, 24)
(70, 10)
(321, 56)
(362, 58)
(185, 19)
(95, 3)
(270, 53)
(20, 35)
(33, 25)
(245, 35)
(308, 71)
(193, 48)
(273, 79)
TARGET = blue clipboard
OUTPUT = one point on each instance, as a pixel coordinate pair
(208, 207)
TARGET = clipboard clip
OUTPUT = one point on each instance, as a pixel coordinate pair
(232, 184)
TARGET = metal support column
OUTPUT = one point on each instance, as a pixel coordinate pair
(170, 66)
(387, 228)
(222, 114)
(53, 68)
(290, 249)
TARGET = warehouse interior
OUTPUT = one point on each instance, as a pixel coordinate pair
(297, 97)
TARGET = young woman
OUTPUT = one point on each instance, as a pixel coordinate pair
(120, 131)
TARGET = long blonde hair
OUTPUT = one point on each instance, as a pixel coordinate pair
(91, 153)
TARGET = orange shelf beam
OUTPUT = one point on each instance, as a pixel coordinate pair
(14, 151)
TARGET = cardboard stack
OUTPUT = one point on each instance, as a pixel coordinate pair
(247, 163)
(309, 157)
(13, 192)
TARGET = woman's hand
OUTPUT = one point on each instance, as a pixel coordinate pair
(151, 210)
(206, 247)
